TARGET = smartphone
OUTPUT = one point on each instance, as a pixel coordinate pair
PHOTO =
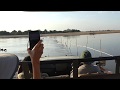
(34, 37)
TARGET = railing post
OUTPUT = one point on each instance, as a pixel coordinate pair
(75, 69)
(117, 70)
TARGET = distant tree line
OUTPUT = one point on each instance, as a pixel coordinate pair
(19, 32)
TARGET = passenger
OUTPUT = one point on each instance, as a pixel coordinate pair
(35, 55)
(87, 67)
(20, 70)
(21, 73)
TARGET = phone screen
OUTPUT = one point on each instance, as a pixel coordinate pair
(34, 37)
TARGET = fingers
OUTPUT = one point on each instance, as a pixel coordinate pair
(38, 44)
(38, 48)
(41, 48)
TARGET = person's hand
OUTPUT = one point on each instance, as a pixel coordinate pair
(36, 52)
(35, 55)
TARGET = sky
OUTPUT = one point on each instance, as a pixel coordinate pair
(59, 20)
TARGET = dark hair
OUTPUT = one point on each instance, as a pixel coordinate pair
(86, 54)
(27, 58)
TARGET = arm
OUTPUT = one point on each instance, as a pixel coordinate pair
(35, 55)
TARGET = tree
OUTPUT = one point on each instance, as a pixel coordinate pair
(4, 33)
(19, 33)
(45, 31)
(14, 32)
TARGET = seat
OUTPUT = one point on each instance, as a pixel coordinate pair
(8, 65)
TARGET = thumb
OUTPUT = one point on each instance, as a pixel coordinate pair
(28, 50)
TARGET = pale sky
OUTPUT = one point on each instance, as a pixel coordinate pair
(58, 20)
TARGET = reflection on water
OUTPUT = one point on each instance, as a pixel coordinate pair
(68, 45)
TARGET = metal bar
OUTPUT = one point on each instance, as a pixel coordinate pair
(117, 70)
(75, 69)
(80, 60)
(75, 63)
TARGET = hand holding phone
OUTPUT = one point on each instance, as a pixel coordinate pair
(34, 37)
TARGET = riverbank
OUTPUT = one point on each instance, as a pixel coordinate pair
(82, 33)
(65, 34)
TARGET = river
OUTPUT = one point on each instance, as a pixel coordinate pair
(98, 45)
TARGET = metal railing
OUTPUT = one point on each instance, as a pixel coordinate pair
(75, 62)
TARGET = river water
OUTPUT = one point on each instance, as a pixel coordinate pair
(98, 45)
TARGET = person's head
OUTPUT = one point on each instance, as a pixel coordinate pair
(86, 54)
(27, 58)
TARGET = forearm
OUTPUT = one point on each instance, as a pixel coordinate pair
(35, 55)
(36, 69)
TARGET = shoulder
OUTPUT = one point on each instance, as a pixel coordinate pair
(27, 58)
(95, 66)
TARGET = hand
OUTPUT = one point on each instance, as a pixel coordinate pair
(35, 55)
(36, 52)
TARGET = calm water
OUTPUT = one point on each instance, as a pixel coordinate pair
(68, 45)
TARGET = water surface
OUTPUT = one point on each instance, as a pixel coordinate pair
(68, 45)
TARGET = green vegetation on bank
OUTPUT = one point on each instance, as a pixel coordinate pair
(50, 32)
(19, 32)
